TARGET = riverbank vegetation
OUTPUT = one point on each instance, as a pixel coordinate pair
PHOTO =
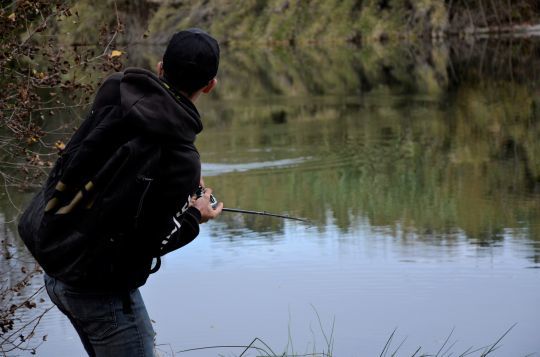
(289, 21)
(40, 75)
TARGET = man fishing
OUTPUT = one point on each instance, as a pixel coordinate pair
(122, 195)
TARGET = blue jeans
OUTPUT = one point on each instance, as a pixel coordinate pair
(109, 324)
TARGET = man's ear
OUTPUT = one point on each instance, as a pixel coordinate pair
(211, 85)
(159, 68)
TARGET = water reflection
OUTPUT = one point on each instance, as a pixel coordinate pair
(417, 164)
(438, 158)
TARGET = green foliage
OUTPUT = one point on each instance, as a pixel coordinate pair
(284, 21)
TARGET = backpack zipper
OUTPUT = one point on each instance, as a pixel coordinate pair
(148, 182)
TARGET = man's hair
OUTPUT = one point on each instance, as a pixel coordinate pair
(191, 60)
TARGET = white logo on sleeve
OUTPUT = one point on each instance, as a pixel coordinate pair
(177, 224)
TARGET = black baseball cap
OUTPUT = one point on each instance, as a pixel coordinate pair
(191, 60)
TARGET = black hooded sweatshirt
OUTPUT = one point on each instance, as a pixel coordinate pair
(138, 108)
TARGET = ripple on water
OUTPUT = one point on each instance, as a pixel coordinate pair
(214, 169)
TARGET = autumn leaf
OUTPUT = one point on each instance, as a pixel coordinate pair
(29, 304)
(116, 53)
(60, 145)
(12, 17)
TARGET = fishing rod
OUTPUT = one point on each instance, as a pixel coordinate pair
(264, 213)
(214, 202)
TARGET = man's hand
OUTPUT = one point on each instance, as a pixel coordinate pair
(204, 206)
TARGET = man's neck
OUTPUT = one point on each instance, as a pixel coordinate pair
(192, 97)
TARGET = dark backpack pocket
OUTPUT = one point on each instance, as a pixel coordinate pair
(87, 240)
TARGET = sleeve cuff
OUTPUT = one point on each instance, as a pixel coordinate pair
(195, 213)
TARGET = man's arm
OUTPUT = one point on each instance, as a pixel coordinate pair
(186, 223)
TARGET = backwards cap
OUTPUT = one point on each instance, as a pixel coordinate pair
(191, 60)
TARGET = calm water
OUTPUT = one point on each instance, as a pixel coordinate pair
(420, 172)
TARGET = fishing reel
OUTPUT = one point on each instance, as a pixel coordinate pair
(213, 200)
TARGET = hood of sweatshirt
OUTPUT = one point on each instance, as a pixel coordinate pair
(157, 110)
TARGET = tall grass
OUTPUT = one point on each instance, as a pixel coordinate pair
(390, 349)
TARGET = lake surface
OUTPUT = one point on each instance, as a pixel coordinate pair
(419, 170)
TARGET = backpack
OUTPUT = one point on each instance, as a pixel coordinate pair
(89, 233)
